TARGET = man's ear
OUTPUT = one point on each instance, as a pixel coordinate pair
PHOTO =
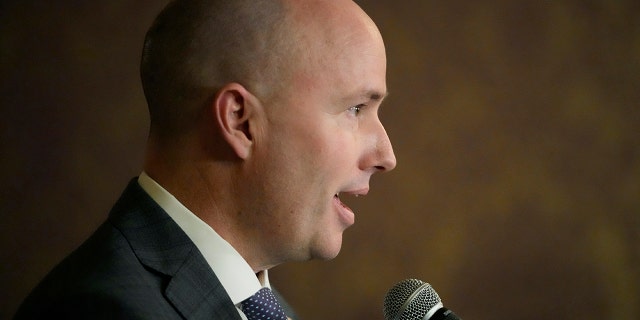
(234, 108)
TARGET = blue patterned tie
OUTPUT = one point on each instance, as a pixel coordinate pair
(263, 306)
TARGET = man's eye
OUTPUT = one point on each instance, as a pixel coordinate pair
(356, 109)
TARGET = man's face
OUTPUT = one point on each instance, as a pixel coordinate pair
(321, 142)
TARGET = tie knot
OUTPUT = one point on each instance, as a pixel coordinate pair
(263, 306)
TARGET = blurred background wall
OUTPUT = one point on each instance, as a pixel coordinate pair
(516, 125)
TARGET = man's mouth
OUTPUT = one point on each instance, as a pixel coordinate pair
(346, 214)
(355, 193)
(337, 196)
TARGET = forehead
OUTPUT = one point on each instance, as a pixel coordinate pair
(344, 51)
(352, 71)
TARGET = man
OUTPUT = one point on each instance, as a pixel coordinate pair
(263, 115)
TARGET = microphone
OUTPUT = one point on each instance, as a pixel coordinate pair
(413, 299)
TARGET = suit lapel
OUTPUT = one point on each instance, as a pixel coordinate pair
(160, 244)
(195, 296)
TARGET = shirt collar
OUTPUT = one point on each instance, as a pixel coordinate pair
(234, 273)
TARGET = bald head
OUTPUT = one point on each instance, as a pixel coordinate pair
(194, 47)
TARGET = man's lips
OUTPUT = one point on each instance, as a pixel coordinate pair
(354, 192)
(347, 215)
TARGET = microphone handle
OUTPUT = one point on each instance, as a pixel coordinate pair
(444, 314)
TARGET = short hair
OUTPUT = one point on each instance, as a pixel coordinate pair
(194, 47)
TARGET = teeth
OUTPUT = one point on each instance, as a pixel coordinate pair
(338, 195)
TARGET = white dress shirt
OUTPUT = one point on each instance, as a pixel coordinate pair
(235, 274)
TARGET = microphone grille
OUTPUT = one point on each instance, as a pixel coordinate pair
(409, 299)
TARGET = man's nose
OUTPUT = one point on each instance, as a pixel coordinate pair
(386, 159)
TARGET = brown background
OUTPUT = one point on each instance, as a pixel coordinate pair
(515, 125)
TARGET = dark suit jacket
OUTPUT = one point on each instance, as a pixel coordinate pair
(138, 265)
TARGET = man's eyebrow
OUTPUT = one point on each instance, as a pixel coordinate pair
(374, 95)
(367, 96)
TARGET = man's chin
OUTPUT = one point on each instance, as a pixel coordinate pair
(328, 250)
